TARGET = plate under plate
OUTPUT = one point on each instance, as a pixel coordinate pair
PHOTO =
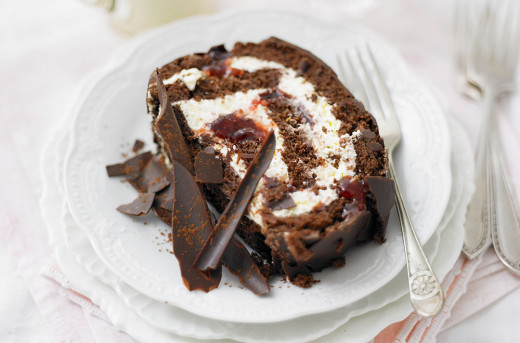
(113, 113)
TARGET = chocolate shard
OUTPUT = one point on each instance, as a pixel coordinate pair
(163, 214)
(283, 204)
(208, 169)
(211, 255)
(168, 129)
(241, 264)
(236, 258)
(158, 184)
(383, 196)
(138, 145)
(150, 178)
(131, 167)
(138, 207)
(165, 197)
(191, 225)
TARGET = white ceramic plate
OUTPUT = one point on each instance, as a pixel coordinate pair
(172, 320)
(112, 114)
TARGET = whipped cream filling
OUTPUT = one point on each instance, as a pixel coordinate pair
(322, 134)
(188, 76)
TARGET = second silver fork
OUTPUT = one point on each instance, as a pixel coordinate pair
(426, 293)
(488, 41)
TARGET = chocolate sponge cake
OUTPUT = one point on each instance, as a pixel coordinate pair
(325, 189)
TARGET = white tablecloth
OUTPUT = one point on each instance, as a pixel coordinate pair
(48, 47)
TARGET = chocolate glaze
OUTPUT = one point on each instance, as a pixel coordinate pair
(299, 253)
(305, 251)
(381, 198)
(211, 254)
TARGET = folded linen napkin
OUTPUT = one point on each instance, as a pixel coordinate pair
(470, 287)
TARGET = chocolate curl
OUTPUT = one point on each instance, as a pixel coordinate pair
(168, 128)
(191, 226)
(211, 255)
(245, 269)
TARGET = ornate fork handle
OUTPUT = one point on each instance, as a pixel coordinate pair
(425, 290)
(505, 224)
(481, 215)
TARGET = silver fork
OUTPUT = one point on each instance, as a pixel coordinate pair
(426, 293)
(487, 46)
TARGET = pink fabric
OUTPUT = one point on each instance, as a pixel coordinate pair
(470, 287)
(69, 316)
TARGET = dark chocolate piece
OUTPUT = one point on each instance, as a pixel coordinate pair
(163, 214)
(209, 150)
(131, 167)
(283, 204)
(236, 258)
(165, 197)
(210, 256)
(305, 258)
(168, 129)
(240, 263)
(382, 192)
(138, 145)
(208, 169)
(151, 177)
(158, 184)
(140, 206)
(191, 226)
(176, 146)
(247, 156)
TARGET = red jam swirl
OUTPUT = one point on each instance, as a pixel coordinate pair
(356, 191)
(237, 128)
(219, 66)
(221, 70)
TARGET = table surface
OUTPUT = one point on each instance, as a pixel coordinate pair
(48, 48)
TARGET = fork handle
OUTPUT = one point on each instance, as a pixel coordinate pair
(506, 232)
(426, 292)
(481, 216)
